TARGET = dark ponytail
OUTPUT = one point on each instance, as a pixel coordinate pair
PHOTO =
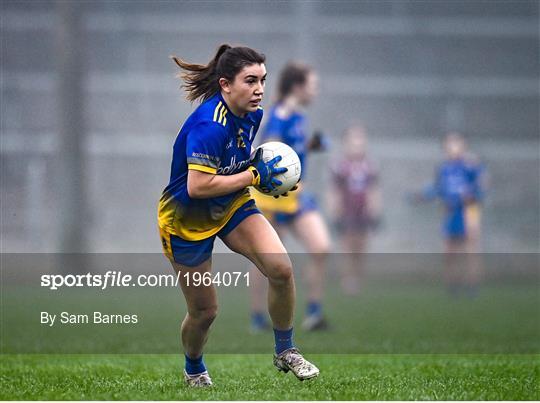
(202, 81)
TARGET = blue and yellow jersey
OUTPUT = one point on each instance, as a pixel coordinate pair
(459, 184)
(291, 130)
(215, 141)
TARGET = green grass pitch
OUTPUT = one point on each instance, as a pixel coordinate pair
(393, 342)
(252, 377)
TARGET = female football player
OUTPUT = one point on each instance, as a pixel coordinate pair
(297, 87)
(356, 203)
(207, 196)
(459, 184)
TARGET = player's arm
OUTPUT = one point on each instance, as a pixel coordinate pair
(204, 185)
(374, 205)
(334, 203)
(334, 198)
(478, 181)
(374, 197)
(428, 193)
(204, 146)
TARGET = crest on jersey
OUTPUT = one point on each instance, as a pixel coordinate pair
(239, 139)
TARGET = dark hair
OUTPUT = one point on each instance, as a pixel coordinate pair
(293, 74)
(202, 81)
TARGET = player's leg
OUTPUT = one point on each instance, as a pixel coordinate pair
(355, 244)
(188, 257)
(455, 260)
(360, 247)
(257, 297)
(256, 239)
(473, 218)
(473, 273)
(258, 291)
(202, 307)
(455, 248)
(311, 229)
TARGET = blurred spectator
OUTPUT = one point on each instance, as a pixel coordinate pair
(356, 204)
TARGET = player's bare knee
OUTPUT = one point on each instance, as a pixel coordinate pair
(204, 316)
(319, 246)
(281, 272)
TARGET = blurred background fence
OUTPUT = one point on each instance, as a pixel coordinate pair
(410, 70)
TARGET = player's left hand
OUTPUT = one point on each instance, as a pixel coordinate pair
(264, 172)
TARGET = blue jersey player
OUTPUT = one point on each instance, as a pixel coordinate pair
(207, 197)
(459, 185)
(297, 87)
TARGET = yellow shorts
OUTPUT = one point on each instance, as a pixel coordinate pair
(270, 204)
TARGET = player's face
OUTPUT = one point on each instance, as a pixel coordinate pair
(454, 147)
(356, 142)
(309, 90)
(245, 92)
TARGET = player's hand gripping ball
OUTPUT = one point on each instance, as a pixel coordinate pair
(289, 160)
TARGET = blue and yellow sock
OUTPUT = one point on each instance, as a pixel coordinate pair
(195, 366)
(283, 340)
(258, 320)
(314, 308)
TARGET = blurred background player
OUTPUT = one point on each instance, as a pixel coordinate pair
(355, 201)
(459, 184)
(297, 87)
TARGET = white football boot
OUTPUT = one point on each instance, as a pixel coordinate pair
(314, 322)
(292, 360)
(201, 380)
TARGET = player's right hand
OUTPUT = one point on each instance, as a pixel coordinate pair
(264, 172)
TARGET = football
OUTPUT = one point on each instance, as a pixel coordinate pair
(289, 160)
